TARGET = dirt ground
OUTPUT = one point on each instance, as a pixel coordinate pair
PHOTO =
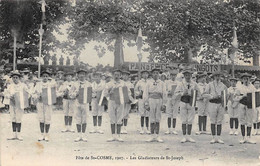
(61, 150)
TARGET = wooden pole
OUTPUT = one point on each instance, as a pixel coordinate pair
(139, 69)
(139, 55)
(14, 60)
(233, 69)
(40, 51)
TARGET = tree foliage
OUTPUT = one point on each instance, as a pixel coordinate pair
(175, 30)
(23, 18)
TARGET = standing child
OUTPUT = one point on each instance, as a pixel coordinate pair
(256, 115)
(172, 105)
(155, 99)
(98, 87)
(127, 106)
(187, 109)
(15, 92)
(245, 114)
(82, 105)
(69, 89)
(232, 107)
(202, 104)
(44, 109)
(144, 113)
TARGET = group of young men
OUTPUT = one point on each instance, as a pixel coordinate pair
(179, 93)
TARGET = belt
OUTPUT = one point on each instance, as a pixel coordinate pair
(186, 99)
(155, 95)
(215, 100)
(139, 97)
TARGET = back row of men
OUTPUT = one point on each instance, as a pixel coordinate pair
(180, 93)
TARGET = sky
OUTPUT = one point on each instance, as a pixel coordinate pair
(89, 54)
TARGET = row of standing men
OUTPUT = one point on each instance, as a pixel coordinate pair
(181, 94)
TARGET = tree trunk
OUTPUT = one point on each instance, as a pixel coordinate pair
(188, 55)
(118, 53)
(256, 59)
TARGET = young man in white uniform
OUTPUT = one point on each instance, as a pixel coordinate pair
(44, 110)
(155, 98)
(233, 107)
(81, 107)
(202, 104)
(98, 87)
(256, 114)
(69, 89)
(127, 106)
(245, 114)
(172, 106)
(144, 113)
(16, 113)
(187, 111)
(215, 107)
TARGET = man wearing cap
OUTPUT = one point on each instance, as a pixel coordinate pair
(103, 77)
(7, 81)
(216, 110)
(144, 113)
(98, 87)
(44, 111)
(59, 81)
(115, 110)
(69, 89)
(245, 114)
(172, 105)
(81, 107)
(163, 77)
(232, 107)
(25, 79)
(187, 110)
(16, 112)
(202, 104)
(127, 106)
(155, 98)
(1, 89)
(256, 115)
(25, 73)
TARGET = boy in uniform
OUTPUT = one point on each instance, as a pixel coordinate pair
(202, 104)
(98, 87)
(115, 110)
(172, 105)
(127, 106)
(256, 115)
(69, 89)
(81, 107)
(216, 109)
(232, 107)
(16, 112)
(144, 113)
(245, 114)
(44, 111)
(155, 99)
(187, 111)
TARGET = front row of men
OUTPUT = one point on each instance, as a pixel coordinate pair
(153, 95)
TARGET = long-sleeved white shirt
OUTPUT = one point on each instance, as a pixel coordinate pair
(155, 86)
(185, 86)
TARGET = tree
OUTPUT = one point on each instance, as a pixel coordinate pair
(111, 22)
(176, 30)
(22, 19)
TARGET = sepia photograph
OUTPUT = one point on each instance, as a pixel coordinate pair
(130, 82)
